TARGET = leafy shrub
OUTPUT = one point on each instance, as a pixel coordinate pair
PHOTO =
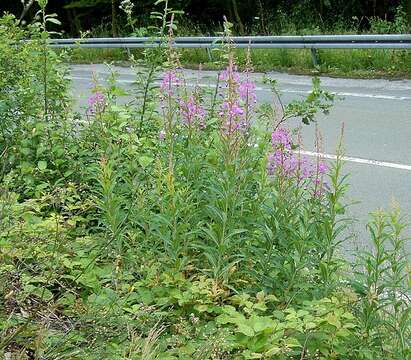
(383, 26)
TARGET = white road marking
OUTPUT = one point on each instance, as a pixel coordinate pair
(361, 95)
(290, 91)
(374, 96)
(358, 160)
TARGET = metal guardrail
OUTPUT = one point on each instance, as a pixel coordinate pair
(256, 42)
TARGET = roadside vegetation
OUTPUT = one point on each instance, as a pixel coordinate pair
(361, 63)
(184, 224)
(356, 63)
(106, 18)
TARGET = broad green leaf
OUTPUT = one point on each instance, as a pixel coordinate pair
(201, 308)
(262, 323)
(292, 343)
(42, 293)
(53, 21)
(145, 161)
(245, 329)
(42, 165)
(274, 350)
(333, 320)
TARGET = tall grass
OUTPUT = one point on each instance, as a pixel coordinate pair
(358, 63)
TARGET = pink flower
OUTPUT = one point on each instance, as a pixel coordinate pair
(246, 91)
(230, 74)
(192, 112)
(162, 135)
(306, 169)
(322, 168)
(231, 109)
(281, 138)
(170, 79)
(239, 97)
(96, 102)
(285, 163)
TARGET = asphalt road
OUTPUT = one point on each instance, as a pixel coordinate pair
(377, 136)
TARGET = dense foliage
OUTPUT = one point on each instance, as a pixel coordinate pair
(261, 16)
(184, 224)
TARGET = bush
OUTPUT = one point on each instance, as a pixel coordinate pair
(184, 224)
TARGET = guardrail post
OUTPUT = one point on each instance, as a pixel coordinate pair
(315, 57)
(209, 54)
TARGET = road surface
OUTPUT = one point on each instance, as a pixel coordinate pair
(377, 137)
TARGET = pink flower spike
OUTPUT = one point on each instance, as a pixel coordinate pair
(192, 112)
(169, 80)
(246, 91)
(322, 168)
(281, 137)
(96, 102)
(162, 135)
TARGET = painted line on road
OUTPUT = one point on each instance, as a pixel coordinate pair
(373, 96)
(361, 95)
(358, 160)
(290, 91)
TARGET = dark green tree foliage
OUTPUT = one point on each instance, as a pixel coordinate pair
(409, 13)
(249, 16)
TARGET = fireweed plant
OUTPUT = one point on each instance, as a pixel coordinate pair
(181, 224)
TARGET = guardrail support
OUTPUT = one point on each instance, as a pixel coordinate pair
(315, 57)
(209, 54)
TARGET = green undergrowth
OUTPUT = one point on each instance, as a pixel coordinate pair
(295, 20)
(356, 63)
(169, 227)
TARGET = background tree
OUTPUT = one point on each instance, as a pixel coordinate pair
(26, 7)
(114, 27)
(272, 15)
